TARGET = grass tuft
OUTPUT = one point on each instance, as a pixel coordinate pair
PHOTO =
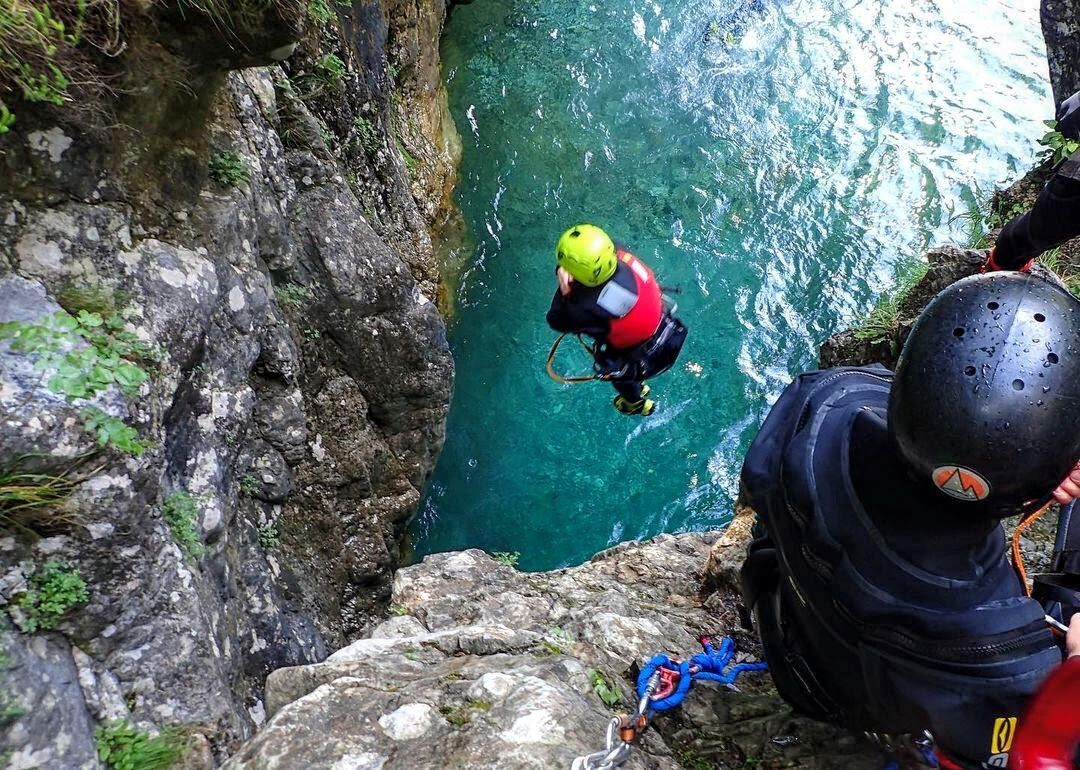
(122, 747)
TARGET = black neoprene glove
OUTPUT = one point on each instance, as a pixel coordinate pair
(1068, 117)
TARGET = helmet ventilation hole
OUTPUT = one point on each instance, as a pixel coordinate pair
(1018, 384)
(1052, 357)
(992, 305)
(1040, 317)
(969, 371)
(958, 331)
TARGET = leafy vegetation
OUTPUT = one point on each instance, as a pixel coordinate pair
(609, 693)
(269, 537)
(229, 169)
(34, 41)
(367, 136)
(506, 558)
(249, 485)
(181, 512)
(330, 71)
(87, 353)
(1058, 147)
(884, 318)
(320, 11)
(52, 590)
(292, 294)
(122, 747)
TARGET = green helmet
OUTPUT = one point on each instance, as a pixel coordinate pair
(587, 253)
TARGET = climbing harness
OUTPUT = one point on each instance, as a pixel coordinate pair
(662, 685)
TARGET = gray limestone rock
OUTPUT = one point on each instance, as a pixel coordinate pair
(497, 668)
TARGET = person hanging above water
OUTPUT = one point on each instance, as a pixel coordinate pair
(878, 576)
(610, 295)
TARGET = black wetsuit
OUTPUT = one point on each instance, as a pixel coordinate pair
(579, 312)
(1054, 219)
(882, 605)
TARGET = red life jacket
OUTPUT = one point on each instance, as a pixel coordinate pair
(1050, 731)
(643, 319)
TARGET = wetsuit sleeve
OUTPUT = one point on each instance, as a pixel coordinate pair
(572, 317)
(1054, 219)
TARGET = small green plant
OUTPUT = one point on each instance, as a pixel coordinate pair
(86, 354)
(480, 705)
(609, 693)
(111, 431)
(398, 610)
(292, 294)
(883, 319)
(249, 485)
(229, 169)
(506, 558)
(1058, 147)
(330, 70)
(121, 747)
(320, 11)
(7, 118)
(550, 648)
(269, 538)
(367, 136)
(180, 511)
(35, 40)
(82, 370)
(52, 590)
(456, 715)
(452, 676)
(311, 333)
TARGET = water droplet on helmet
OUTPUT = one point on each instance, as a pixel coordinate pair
(1018, 384)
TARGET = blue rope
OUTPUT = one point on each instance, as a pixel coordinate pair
(712, 665)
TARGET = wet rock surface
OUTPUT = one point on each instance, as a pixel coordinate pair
(488, 666)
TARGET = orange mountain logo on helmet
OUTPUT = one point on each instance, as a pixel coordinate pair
(961, 483)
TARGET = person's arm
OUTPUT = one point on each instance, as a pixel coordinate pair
(1072, 639)
(1055, 218)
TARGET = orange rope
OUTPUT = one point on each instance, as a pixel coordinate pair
(1018, 559)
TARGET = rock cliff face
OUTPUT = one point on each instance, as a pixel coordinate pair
(489, 667)
(1061, 30)
(220, 361)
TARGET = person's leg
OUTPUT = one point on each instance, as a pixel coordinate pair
(630, 390)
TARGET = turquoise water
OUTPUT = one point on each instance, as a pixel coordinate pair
(776, 160)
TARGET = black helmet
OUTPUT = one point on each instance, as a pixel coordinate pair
(986, 399)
